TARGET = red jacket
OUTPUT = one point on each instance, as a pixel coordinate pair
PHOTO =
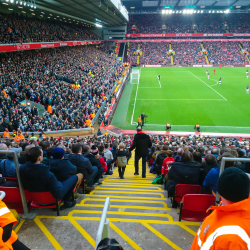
(103, 164)
(165, 165)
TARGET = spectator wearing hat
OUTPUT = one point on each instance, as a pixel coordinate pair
(228, 226)
(210, 182)
(62, 168)
(93, 157)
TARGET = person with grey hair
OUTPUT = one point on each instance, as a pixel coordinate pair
(23, 158)
(178, 155)
(3, 146)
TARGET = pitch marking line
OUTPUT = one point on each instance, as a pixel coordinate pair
(135, 102)
(181, 100)
(208, 85)
(212, 80)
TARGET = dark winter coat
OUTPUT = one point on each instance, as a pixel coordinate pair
(183, 173)
(206, 169)
(93, 160)
(141, 144)
(82, 164)
(62, 169)
(38, 178)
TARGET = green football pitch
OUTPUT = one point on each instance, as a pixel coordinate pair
(185, 96)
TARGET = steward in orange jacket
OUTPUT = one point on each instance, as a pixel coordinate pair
(228, 226)
(8, 238)
(19, 136)
(6, 133)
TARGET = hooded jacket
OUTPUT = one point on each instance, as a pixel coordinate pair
(62, 169)
(183, 173)
(82, 164)
(38, 178)
(108, 154)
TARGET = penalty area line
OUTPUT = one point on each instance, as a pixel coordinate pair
(208, 85)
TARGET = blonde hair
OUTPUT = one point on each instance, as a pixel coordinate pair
(121, 145)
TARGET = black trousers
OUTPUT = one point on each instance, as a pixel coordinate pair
(168, 127)
(121, 171)
(18, 245)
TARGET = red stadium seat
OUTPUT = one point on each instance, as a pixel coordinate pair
(13, 198)
(193, 207)
(10, 179)
(38, 198)
(182, 189)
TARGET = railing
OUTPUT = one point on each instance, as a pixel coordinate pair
(103, 230)
(222, 167)
(2, 195)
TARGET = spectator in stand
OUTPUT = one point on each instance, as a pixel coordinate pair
(184, 172)
(210, 163)
(108, 155)
(93, 157)
(141, 144)
(180, 151)
(210, 182)
(82, 164)
(160, 159)
(23, 159)
(167, 162)
(60, 167)
(7, 165)
(36, 177)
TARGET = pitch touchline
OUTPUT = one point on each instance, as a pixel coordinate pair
(180, 100)
(134, 103)
(193, 125)
(208, 85)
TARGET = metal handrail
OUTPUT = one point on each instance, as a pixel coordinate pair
(24, 202)
(222, 167)
(103, 230)
(2, 195)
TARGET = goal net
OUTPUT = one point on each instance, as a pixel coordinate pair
(135, 76)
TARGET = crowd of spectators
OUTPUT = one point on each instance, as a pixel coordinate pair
(152, 53)
(16, 28)
(226, 53)
(72, 84)
(188, 53)
(200, 23)
(66, 162)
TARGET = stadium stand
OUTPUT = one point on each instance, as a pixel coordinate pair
(20, 29)
(32, 74)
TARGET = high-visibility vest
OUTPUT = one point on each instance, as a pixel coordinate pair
(139, 119)
(6, 217)
(88, 123)
(6, 134)
(197, 125)
(33, 138)
(168, 124)
(227, 227)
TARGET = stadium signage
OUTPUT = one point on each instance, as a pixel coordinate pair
(180, 40)
(188, 35)
(28, 46)
(197, 65)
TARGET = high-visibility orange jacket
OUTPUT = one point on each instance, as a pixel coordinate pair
(88, 123)
(19, 137)
(226, 228)
(6, 217)
(6, 134)
(49, 109)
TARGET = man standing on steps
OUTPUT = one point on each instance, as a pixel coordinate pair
(141, 144)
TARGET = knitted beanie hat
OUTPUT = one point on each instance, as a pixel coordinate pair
(233, 184)
(58, 153)
(94, 150)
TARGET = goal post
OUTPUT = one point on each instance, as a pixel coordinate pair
(135, 76)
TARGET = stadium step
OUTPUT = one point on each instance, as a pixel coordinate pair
(172, 58)
(241, 48)
(139, 217)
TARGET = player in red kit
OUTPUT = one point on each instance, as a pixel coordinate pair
(214, 71)
(220, 66)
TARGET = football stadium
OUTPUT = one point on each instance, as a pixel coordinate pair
(124, 124)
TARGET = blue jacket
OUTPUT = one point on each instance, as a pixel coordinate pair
(210, 182)
(7, 168)
(62, 169)
(38, 178)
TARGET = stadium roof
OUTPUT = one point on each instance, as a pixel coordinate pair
(103, 12)
(151, 5)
